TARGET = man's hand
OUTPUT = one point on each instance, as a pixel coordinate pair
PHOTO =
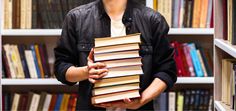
(125, 104)
(95, 71)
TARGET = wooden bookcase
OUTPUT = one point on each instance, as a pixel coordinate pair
(222, 49)
(205, 36)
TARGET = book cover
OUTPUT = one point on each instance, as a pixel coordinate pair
(39, 60)
(31, 64)
(58, 102)
(21, 49)
(196, 61)
(15, 102)
(35, 61)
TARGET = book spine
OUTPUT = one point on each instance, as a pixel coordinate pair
(36, 47)
(233, 22)
(23, 60)
(35, 61)
(196, 61)
(34, 14)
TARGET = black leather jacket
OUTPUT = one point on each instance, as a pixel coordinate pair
(90, 21)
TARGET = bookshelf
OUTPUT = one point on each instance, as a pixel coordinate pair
(57, 32)
(49, 36)
(52, 81)
(223, 49)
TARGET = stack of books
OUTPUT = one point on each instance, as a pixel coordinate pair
(121, 55)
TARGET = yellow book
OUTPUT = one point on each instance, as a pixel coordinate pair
(155, 5)
(19, 63)
(180, 101)
(64, 102)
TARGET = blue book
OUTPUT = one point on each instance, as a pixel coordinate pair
(35, 61)
(58, 102)
(196, 60)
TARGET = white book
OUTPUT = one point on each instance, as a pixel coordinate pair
(28, 14)
(47, 102)
(9, 60)
(171, 102)
(19, 63)
(15, 102)
(10, 3)
(209, 13)
(124, 71)
(34, 103)
(31, 64)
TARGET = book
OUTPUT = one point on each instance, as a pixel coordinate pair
(34, 102)
(116, 48)
(196, 61)
(15, 102)
(123, 62)
(108, 41)
(203, 16)
(64, 102)
(58, 102)
(233, 22)
(115, 96)
(22, 104)
(41, 101)
(114, 89)
(36, 47)
(124, 71)
(171, 101)
(116, 55)
(196, 13)
(30, 61)
(165, 11)
(180, 101)
(47, 102)
(117, 81)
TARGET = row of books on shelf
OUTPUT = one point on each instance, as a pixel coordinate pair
(192, 60)
(228, 78)
(187, 100)
(186, 13)
(121, 56)
(27, 14)
(229, 18)
(39, 102)
(25, 61)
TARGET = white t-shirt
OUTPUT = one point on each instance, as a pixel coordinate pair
(117, 29)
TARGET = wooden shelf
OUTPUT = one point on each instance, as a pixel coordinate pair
(226, 47)
(57, 32)
(195, 80)
(219, 106)
(53, 81)
(191, 31)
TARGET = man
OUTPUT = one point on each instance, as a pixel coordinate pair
(104, 18)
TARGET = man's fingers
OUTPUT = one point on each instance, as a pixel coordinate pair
(97, 71)
(127, 100)
(92, 80)
(97, 65)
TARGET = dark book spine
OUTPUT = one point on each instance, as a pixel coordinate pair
(59, 13)
(6, 64)
(225, 20)
(205, 61)
(186, 100)
(14, 11)
(23, 60)
(43, 13)
(185, 21)
(46, 60)
(64, 7)
(34, 14)
(197, 100)
(53, 16)
(233, 22)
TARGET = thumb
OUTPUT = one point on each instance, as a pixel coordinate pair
(90, 57)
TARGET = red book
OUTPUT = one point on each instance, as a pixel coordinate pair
(72, 102)
(23, 102)
(225, 20)
(5, 64)
(53, 102)
(184, 60)
(189, 60)
(178, 60)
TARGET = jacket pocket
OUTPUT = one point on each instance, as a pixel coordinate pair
(83, 52)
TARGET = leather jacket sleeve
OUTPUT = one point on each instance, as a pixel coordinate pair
(164, 66)
(65, 51)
